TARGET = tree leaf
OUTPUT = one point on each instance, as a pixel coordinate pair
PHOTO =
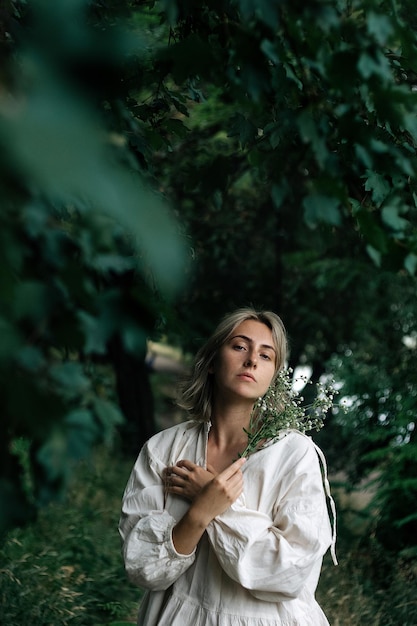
(380, 26)
(243, 128)
(70, 379)
(378, 185)
(264, 10)
(410, 263)
(109, 416)
(320, 208)
(372, 232)
(374, 254)
(30, 358)
(391, 217)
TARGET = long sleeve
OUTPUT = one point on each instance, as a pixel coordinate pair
(273, 555)
(145, 526)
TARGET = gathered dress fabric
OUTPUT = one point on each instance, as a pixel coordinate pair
(257, 564)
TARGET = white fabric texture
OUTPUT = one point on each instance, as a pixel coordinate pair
(258, 564)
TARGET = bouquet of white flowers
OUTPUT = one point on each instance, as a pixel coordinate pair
(281, 408)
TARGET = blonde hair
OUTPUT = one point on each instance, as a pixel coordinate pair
(196, 392)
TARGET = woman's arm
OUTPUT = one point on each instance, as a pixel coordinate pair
(274, 556)
(151, 560)
(157, 548)
(213, 499)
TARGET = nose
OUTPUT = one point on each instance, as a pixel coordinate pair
(251, 361)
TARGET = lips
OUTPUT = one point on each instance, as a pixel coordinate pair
(247, 375)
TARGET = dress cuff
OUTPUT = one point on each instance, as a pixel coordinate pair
(171, 548)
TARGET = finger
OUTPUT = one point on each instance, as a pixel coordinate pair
(241, 461)
(178, 472)
(226, 484)
(177, 480)
(211, 469)
(175, 489)
(188, 465)
(234, 481)
(235, 485)
(230, 491)
(232, 469)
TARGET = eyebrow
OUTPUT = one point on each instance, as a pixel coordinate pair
(249, 340)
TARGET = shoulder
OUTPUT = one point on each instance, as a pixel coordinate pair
(165, 439)
(173, 432)
(292, 448)
(298, 442)
(292, 440)
(157, 450)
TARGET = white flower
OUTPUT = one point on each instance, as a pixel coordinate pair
(280, 408)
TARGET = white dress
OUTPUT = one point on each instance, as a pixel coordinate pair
(258, 564)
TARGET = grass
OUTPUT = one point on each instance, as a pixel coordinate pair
(66, 568)
(369, 586)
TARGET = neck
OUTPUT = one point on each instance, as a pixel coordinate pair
(228, 423)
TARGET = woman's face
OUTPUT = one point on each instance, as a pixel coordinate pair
(245, 364)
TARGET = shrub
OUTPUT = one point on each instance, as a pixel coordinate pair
(66, 568)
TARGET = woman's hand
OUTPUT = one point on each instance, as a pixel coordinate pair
(187, 479)
(213, 499)
(221, 492)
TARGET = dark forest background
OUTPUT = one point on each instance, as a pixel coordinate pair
(160, 165)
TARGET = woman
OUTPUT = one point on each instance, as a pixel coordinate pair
(218, 540)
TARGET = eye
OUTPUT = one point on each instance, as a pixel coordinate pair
(266, 357)
(239, 347)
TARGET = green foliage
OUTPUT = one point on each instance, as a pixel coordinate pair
(368, 586)
(66, 568)
(285, 136)
(300, 142)
(325, 101)
(88, 252)
(378, 431)
(297, 171)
